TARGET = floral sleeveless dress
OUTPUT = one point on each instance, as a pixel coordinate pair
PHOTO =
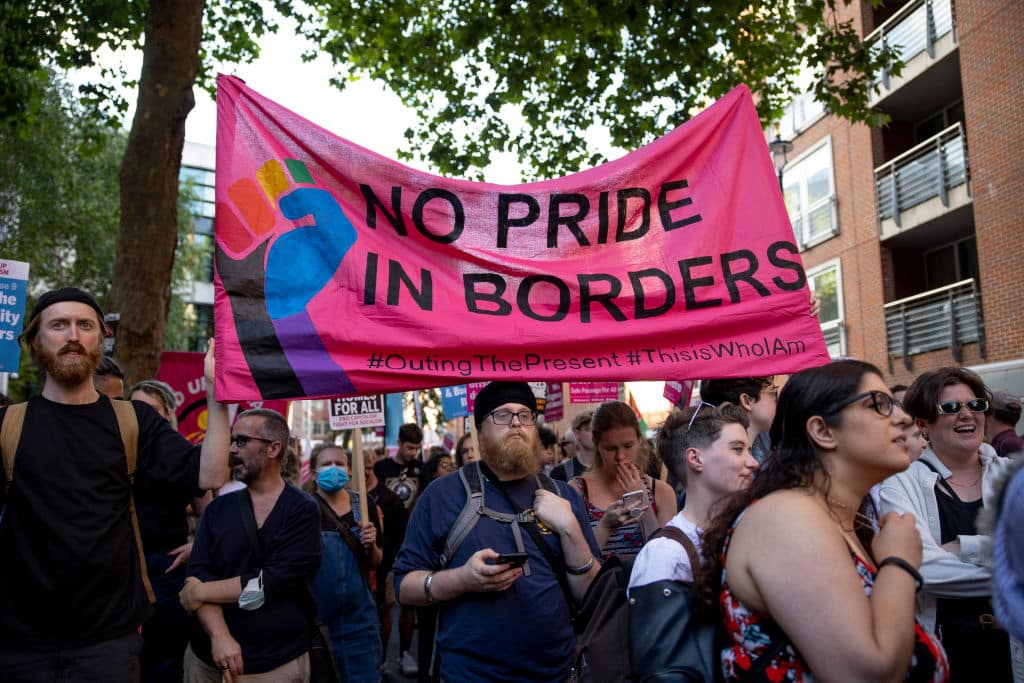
(748, 637)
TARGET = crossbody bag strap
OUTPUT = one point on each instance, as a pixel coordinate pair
(350, 539)
(682, 539)
(941, 480)
(249, 523)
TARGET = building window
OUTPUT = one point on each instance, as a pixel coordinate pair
(951, 263)
(200, 319)
(810, 194)
(826, 281)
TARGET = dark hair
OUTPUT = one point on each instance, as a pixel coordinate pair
(676, 434)
(719, 391)
(923, 394)
(794, 461)
(5, 400)
(108, 367)
(274, 427)
(613, 415)
(547, 436)
(429, 472)
(898, 387)
(459, 462)
(410, 432)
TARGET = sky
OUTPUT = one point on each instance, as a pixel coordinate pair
(366, 113)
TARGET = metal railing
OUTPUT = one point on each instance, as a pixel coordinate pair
(928, 170)
(914, 29)
(942, 318)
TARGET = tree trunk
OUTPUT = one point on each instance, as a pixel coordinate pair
(141, 289)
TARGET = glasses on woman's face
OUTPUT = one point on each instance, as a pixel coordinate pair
(504, 417)
(881, 402)
(975, 405)
(446, 465)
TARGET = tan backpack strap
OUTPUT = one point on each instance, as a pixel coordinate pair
(10, 435)
(128, 424)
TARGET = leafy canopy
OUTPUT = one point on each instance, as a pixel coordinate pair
(531, 77)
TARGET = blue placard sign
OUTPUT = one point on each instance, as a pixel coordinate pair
(13, 287)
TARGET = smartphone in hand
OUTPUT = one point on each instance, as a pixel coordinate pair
(513, 560)
(635, 502)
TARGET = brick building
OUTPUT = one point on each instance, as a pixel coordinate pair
(911, 233)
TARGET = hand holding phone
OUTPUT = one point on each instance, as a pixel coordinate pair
(513, 560)
(634, 503)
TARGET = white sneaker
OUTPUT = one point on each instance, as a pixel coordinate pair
(408, 664)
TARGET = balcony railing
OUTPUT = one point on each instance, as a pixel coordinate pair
(928, 170)
(913, 30)
(942, 318)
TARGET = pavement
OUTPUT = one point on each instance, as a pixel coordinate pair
(392, 672)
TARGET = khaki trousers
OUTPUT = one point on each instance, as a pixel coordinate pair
(295, 671)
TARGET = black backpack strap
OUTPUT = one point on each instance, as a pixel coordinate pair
(941, 481)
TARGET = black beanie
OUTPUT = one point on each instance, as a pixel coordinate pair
(499, 393)
(55, 296)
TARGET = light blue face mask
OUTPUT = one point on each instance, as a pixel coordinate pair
(331, 478)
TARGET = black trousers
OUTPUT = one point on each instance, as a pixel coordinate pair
(110, 661)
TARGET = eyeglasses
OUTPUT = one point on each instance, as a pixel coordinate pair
(527, 418)
(445, 465)
(700, 404)
(242, 440)
(975, 405)
(881, 402)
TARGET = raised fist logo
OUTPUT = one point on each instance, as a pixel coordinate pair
(271, 270)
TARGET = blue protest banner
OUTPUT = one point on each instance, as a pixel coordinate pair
(13, 287)
(453, 401)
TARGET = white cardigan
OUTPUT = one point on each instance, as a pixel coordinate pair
(946, 575)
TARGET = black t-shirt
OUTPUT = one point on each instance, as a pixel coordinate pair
(281, 629)
(403, 480)
(395, 520)
(69, 569)
(163, 521)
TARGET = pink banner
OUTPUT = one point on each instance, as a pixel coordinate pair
(679, 393)
(342, 272)
(183, 370)
(555, 408)
(593, 392)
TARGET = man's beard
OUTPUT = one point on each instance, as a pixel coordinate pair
(248, 471)
(68, 371)
(513, 456)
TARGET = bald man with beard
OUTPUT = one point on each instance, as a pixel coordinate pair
(499, 621)
(72, 585)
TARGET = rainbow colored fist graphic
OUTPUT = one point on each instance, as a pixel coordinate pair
(269, 292)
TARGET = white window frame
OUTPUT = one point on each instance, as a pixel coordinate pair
(839, 323)
(804, 211)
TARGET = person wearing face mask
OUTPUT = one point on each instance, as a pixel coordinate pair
(345, 583)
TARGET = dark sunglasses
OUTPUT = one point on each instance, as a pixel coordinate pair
(242, 440)
(975, 405)
(881, 402)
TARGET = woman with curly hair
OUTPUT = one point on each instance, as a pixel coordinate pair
(805, 591)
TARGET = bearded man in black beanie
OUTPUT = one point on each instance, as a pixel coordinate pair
(504, 614)
(73, 586)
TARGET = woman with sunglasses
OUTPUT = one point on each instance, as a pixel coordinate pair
(803, 588)
(945, 490)
(625, 506)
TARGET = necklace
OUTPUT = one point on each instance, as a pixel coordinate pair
(964, 486)
(858, 515)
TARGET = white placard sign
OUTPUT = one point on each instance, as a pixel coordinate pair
(352, 413)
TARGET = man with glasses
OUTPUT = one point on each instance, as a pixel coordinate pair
(583, 455)
(251, 572)
(758, 396)
(73, 585)
(501, 620)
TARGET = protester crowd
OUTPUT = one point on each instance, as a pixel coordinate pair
(822, 528)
